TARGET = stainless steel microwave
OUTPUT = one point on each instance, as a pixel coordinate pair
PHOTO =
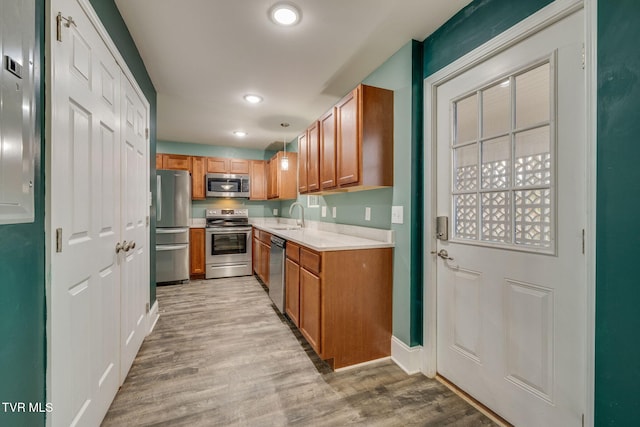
(227, 185)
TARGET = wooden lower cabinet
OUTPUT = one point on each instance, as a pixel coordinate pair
(261, 252)
(197, 253)
(341, 302)
(292, 291)
(310, 309)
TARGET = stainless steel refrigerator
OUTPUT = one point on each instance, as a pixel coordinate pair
(173, 215)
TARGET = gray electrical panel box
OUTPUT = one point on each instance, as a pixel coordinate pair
(18, 143)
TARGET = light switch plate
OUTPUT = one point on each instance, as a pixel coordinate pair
(334, 211)
(275, 212)
(323, 211)
(397, 214)
(367, 214)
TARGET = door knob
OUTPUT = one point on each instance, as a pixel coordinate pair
(133, 244)
(126, 246)
(119, 248)
(442, 254)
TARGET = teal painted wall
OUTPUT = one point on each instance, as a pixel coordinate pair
(618, 235)
(22, 285)
(112, 20)
(191, 149)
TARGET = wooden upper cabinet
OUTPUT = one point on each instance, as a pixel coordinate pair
(258, 180)
(158, 161)
(198, 173)
(238, 166)
(282, 184)
(313, 157)
(176, 162)
(328, 150)
(226, 165)
(349, 142)
(364, 136)
(302, 165)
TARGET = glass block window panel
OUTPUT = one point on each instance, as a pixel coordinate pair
(466, 123)
(496, 109)
(533, 93)
(503, 162)
(533, 157)
(533, 217)
(496, 163)
(466, 216)
(496, 217)
(466, 167)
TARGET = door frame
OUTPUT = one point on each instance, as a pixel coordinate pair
(540, 20)
(152, 314)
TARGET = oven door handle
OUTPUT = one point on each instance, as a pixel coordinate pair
(232, 231)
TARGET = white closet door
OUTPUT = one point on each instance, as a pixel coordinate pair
(135, 268)
(84, 184)
(98, 179)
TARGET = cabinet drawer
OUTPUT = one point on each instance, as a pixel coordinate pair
(310, 260)
(293, 252)
(265, 237)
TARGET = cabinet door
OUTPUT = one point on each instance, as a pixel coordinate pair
(310, 309)
(176, 162)
(328, 150)
(348, 139)
(313, 157)
(303, 166)
(272, 186)
(258, 180)
(255, 253)
(292, 291)
(158, 161)
(265, 256)
(217, 165)
(238, 166)
(197, 178)
(197, 250)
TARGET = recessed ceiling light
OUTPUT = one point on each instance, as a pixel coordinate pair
(253, 99)
(285, 14)
(240, 134)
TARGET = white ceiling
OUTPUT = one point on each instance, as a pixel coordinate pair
(203, 56)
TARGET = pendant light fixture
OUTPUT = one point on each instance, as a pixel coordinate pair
(284, 162)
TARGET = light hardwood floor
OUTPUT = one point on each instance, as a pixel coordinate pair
(221, 355)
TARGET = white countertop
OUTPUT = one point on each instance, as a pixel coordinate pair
(322, 240)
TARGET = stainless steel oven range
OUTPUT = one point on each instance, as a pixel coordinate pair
(228, 243)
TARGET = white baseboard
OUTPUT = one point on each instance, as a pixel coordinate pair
(153, 316)
(408, 358)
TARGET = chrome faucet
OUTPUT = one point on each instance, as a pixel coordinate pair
(299, 222)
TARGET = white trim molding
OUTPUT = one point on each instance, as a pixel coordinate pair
(153, 316)
(407, 358)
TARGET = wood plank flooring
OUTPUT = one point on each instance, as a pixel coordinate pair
(221, 355)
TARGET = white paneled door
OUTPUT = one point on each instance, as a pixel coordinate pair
(97, 186)
(135, 263)
(511, 281)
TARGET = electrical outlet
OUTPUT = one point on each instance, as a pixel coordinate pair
(397, 214)
(275, 212)
(367, 214)
(334, 211)
(324, 211)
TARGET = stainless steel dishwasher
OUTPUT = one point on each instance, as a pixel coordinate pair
(276, 272)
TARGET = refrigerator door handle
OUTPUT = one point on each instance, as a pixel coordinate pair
(161, 248)
(159, 192)
(171, 230)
